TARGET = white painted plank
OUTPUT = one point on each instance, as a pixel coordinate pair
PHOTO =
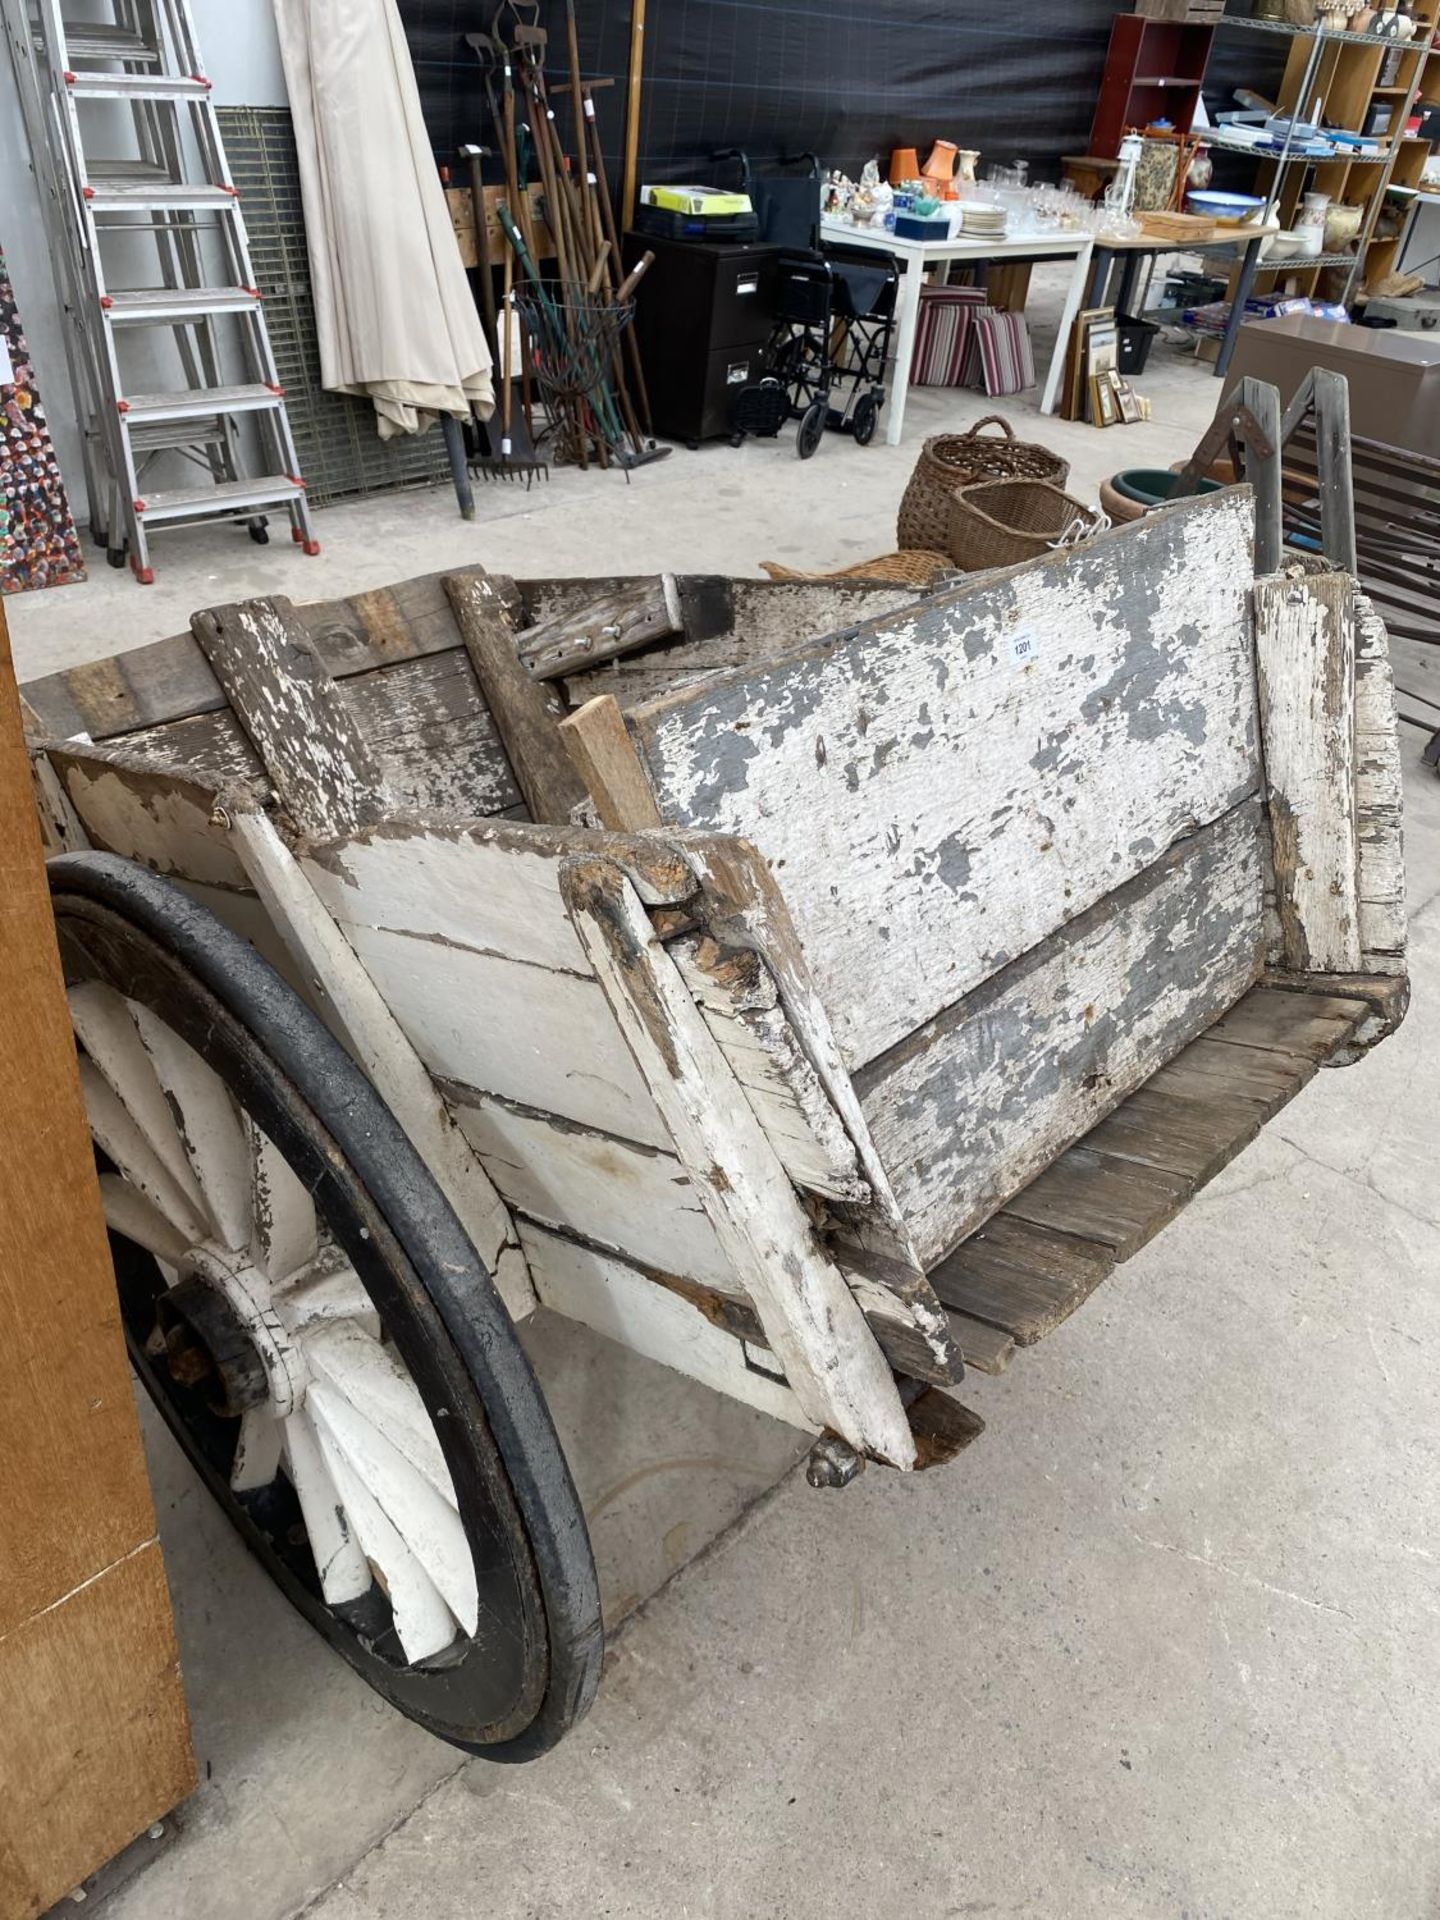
(970, 1109)
(810, 1317)
(635, 1199)
(547, 1040)
(626, 1307)
(257, 1451)
(491, 888)
(356, 1005)
(164, 820)
(938, 792)
(1380, 800)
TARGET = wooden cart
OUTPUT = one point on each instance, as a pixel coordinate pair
(831, 1001)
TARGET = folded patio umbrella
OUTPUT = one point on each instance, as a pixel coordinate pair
(393, 310)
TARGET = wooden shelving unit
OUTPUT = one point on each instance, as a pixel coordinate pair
(1153, 71)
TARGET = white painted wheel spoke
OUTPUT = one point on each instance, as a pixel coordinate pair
(375, 1383)
(319, 1297)
(257, 1454)
(344, 1571)
(128, 1212)
(208, 1125)
(423, 1621)
(120, 1136)
(429, 1526)
(106, 1028)
(284, 1237)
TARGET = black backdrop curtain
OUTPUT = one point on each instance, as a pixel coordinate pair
(847, 79)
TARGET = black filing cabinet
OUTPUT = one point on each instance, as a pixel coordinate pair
(703, 316)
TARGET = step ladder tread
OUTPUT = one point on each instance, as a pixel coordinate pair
(114, 193)
(220, 496)
(137, 303)
(137, 86)
(98, 40)
(201, 400)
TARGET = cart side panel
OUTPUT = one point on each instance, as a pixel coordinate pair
(1015, 751)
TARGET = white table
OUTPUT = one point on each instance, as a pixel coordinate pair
(915, 258)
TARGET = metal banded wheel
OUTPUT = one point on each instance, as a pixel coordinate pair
(316, 1328)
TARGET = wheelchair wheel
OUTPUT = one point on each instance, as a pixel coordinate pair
(812, 429)
(865, 419)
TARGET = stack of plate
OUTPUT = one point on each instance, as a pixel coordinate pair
(984, 222)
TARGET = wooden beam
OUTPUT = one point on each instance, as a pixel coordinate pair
(635, 84)
(1305, 643)
(518, 706)
(309, 742)
(812, 1321)
(605, 759)
(635, 615)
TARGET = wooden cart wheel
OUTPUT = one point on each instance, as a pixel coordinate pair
(316, 1328)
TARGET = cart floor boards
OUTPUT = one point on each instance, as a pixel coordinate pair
(1044, 1254)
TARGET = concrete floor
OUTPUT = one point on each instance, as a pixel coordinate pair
(1162, 1645)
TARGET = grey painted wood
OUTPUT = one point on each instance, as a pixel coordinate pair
(939, 791)
(972, 1106)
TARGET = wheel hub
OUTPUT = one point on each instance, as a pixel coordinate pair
(219, 1323)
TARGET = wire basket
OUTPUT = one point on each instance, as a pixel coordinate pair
(573, 341)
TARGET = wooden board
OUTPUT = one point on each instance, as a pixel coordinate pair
(1015, 752)
(96, 1742)
(967, 1110)
(1038, 1260)
(1305, 645)
(1379, 798)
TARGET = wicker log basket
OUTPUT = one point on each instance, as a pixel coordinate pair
(952, 460)
(918, 570)
(1002, 522)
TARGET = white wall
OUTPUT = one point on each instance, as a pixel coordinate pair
(241, 52)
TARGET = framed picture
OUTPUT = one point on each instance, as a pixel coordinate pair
(1104, 401)
(1077, 365)
(1128, 401)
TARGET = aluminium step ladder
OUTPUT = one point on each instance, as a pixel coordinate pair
(195, 312)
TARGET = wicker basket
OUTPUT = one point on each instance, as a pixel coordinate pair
(954, 460)
(1002, 522)
(897, 569)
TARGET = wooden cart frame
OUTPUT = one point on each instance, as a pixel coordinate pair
(869, 976)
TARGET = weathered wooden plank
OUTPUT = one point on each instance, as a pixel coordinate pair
(633, 1200)
(741, 1002)
(743, 909)
(1211, 1069)
(1021, 1278)
(491, 887)
(1305, 646)
(608, 767)
(975, 1104)
(635, 615)
(1284, 1023)
(1380, 800)
(1117, 1203)
(303, 730)
(518, 705)
(434, 735)
(355, 1004)
(1193, 1138)
(1385, 997)
(987, 1349)
(614, 1299)
(163, 819)
(812, 1322)
(940, 790)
